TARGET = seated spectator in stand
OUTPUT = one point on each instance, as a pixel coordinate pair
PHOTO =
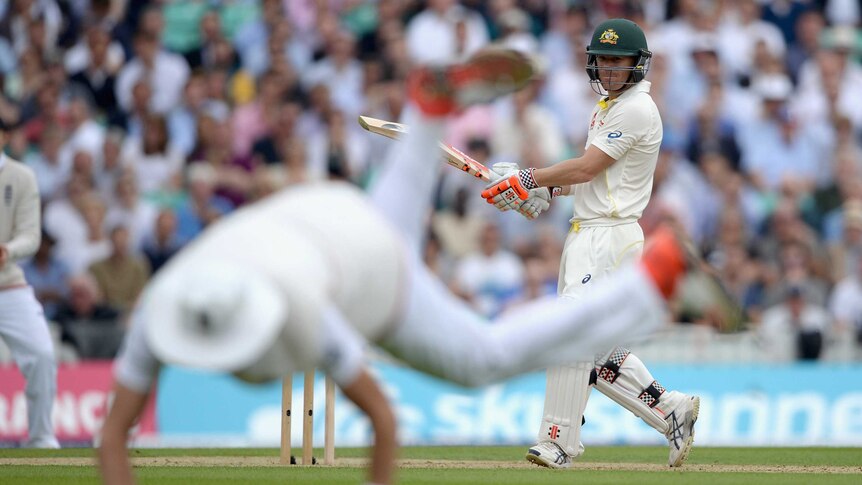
(80, 252)
(94, 64)
(156, 165)
(166, 74)
(165, 241)
(51, 175)
(87, 323)
(131, 210)
(122, 275)
(202, 206)
(845, 303)
(794, 329)
(775, 148)
(457, 229)
(48, 276)
(271, 148)
(491, 277)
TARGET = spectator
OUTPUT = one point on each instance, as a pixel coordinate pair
(51, 175)
(338, 151)
(341, 73)
(531, 128)
(87, 323)
(85, 134)
(271, 34)
(63, 217)
(256, 119)
(130, 210)
(794, 329)
(48, 276)
(121, 275)
(165, 73)
(156, 166)
(164, 242)
(775, 151)
(272, 148)
(491, 277)
(80, 252)
(94, 64)
(182, 120)
(845, 303)
(445, 32)
(202, 206)
(457, 230)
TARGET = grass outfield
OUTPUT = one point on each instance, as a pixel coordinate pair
(449, 465)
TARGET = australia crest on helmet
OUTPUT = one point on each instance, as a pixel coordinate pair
(609, 36)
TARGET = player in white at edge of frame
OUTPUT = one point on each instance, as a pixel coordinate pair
(276, 288)
(611, 184)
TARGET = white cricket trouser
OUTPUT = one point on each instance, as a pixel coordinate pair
(592, 252)
(25, 331)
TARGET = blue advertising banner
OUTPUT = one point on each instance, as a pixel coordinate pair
(742, 405)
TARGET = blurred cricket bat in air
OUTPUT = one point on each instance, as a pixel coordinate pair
(453, 156)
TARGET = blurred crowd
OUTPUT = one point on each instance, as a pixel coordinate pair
(145, 121)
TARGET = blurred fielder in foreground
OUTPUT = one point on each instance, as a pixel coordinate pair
(307, 277)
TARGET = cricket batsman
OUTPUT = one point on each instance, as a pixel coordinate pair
(611, 185)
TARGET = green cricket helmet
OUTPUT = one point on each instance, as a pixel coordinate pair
(618, 37)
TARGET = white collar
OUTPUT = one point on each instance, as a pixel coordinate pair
(3, 158)
(639, 87)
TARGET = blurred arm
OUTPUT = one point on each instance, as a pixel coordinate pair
(367, 395)
(113, 456)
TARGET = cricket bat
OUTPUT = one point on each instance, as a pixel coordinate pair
(453, 156)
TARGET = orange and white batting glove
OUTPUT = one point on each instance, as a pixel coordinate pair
(508, 190)
(516, 189)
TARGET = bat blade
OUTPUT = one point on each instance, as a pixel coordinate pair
(389, 129)
(452, 155)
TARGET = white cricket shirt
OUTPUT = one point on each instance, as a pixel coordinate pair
(629, 130)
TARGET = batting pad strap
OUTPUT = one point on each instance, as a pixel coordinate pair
(610, 370)
(650, 396)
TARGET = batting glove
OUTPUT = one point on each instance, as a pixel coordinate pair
(539, 201)
(511, 187)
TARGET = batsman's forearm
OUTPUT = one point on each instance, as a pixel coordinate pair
(568, 172)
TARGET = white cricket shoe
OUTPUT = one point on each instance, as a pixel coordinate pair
(680, 430)
(549, 454)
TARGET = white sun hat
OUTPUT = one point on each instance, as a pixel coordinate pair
(212, 314)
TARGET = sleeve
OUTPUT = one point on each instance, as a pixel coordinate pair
(136, 367)
(26, 228)
(343, 348)
(623, 128)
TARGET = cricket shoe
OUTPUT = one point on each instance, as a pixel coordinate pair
(680, 430)
(670, 257)
(490, 73)
(549, 454)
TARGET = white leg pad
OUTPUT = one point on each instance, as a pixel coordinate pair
(566, 395)
(624, 378)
